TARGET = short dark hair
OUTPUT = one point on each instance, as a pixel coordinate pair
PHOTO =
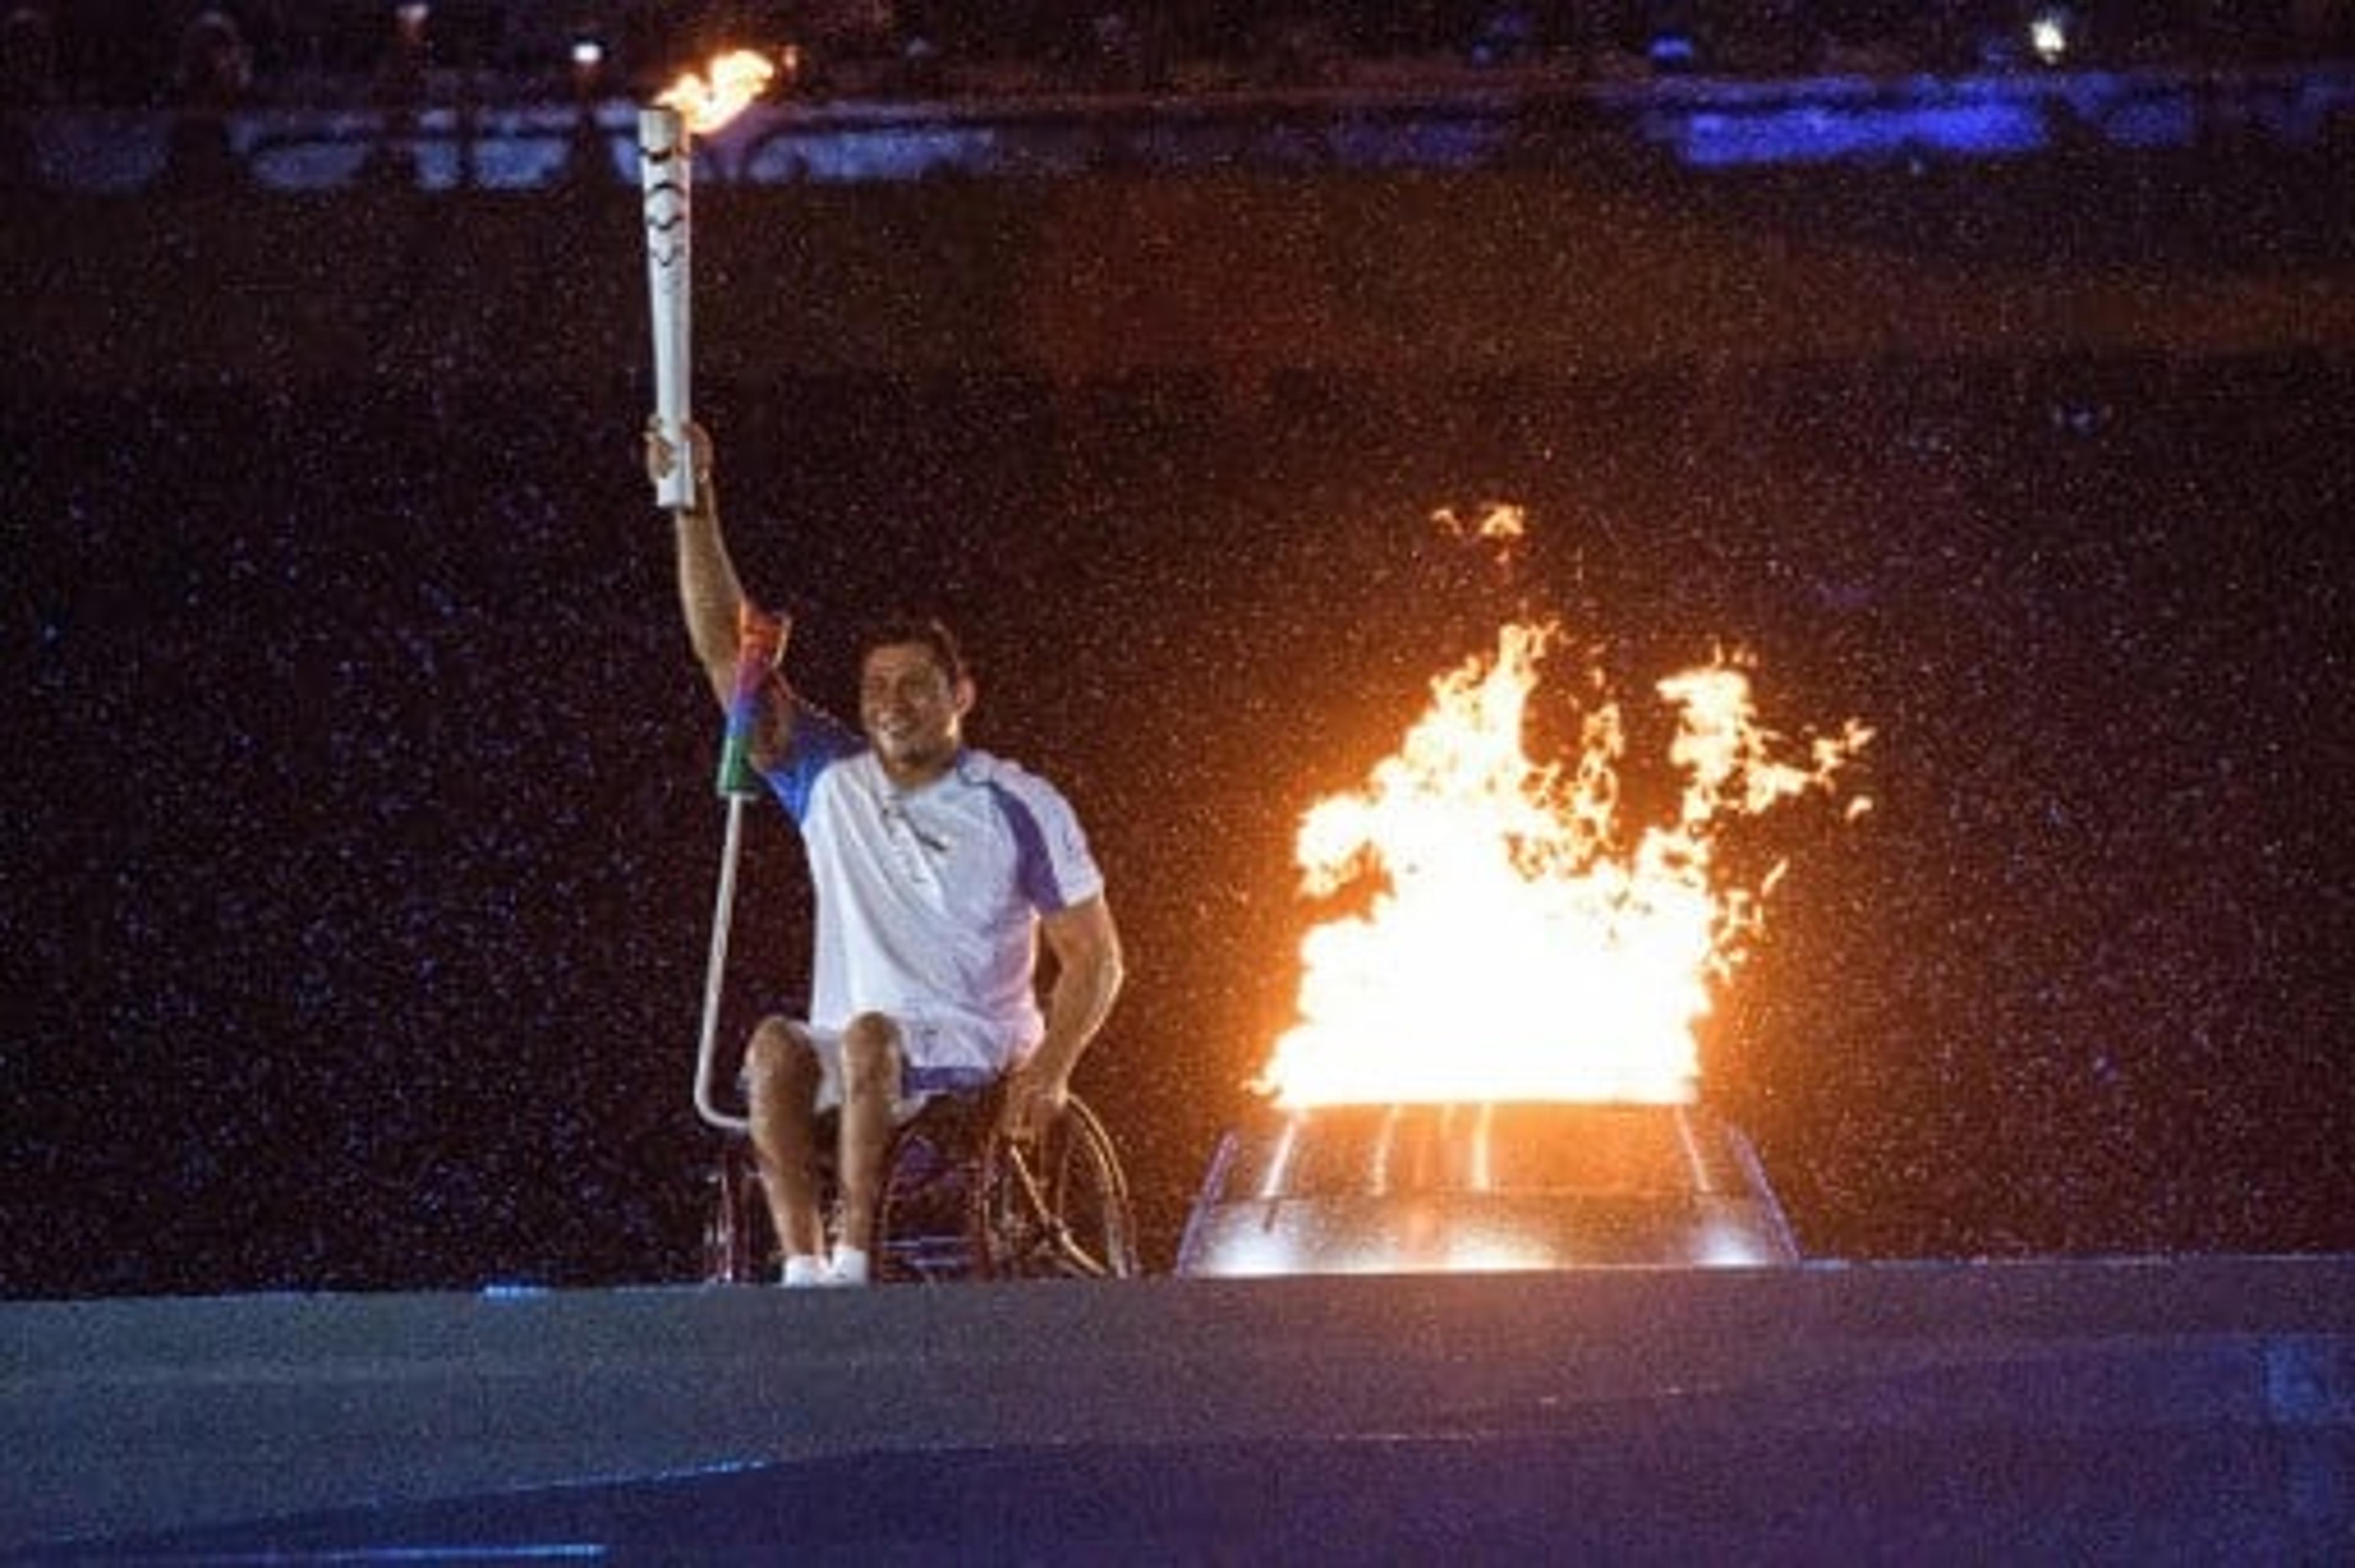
(927, 631)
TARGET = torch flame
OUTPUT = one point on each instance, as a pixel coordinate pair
(1512, 949)
(737, 79)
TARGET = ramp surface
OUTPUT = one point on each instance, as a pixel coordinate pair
(2201, 1408)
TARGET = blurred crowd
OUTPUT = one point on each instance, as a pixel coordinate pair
(157, 52)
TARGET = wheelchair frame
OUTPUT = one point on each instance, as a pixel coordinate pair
(959, 1201)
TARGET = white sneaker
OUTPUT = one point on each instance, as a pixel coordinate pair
(802, 1270)
(851, 1267)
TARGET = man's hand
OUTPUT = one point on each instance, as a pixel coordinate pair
(661, 455)
(761, 637)
(1032, 1101)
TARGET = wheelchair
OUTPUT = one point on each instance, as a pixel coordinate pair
(959, 1200)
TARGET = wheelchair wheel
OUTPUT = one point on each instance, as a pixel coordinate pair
(1056, 1207)
(927, 1222)
(737, 1220)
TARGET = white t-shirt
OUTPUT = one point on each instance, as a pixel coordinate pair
(928, 900)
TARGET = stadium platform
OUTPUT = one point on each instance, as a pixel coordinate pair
(2185, 1409)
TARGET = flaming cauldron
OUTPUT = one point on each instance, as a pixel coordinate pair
(1473, 1187)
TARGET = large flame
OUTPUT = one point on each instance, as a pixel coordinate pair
(737, 78)
(1512, 947)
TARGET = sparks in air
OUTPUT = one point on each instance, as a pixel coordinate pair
(1499, 523)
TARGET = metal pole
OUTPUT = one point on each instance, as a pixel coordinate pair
(760, 641)
(715, 974)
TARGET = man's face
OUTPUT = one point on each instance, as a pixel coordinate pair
(911, 710)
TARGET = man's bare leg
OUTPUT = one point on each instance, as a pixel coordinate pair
(871, 1086)
(783, 1073)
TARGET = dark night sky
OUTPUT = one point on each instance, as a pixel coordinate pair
(362, 839)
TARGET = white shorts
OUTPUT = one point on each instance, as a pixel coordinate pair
(918, 1081)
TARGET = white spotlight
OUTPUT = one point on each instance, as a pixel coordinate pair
(2048, 35)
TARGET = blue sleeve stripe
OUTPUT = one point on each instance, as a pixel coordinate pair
(1034, 870)
(819, 740)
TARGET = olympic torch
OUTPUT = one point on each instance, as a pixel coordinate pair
(667, 129)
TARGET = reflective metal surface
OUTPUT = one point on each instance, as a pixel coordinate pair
(1483, 1188)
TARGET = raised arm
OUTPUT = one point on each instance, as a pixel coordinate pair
(710, 596)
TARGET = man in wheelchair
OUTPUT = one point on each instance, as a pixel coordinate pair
(936, 867)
